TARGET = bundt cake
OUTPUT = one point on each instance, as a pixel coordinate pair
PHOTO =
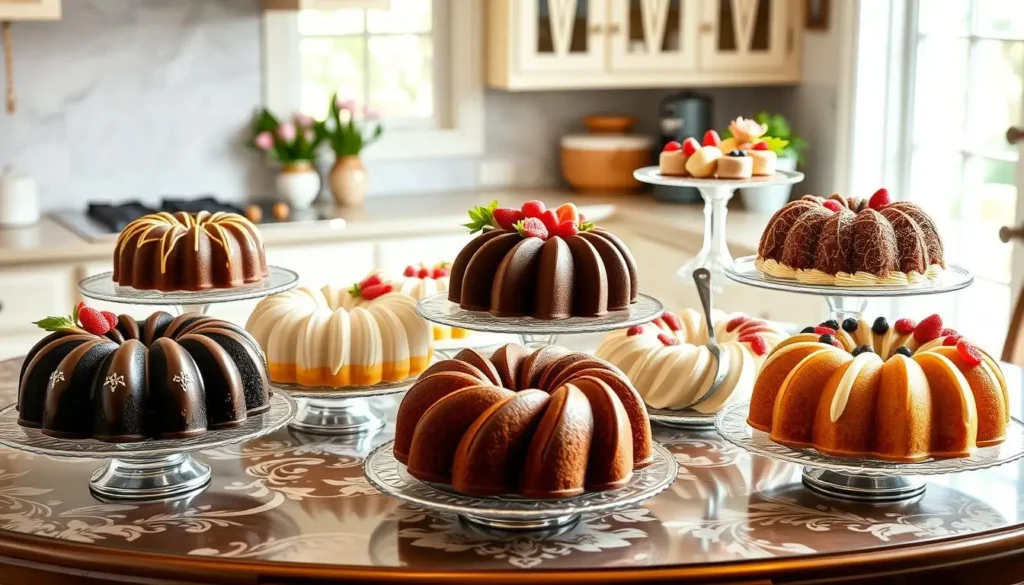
(901, 393)
(180, 251)
(545, 424)
(541, 263)
(116, 379)
(851, 242)
(422, 282)
(338, 337)
(670, 365)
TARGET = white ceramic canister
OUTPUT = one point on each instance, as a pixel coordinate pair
(19, 199)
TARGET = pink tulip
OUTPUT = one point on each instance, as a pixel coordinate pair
(264, 140)
(370, 113)
(303, 120)
(286, 132)
(349, 105)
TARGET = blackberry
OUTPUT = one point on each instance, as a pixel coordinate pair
(831, 324)
(827, 339)
(849, 325)
(807, 330)
(862, 349)
(738, 153)
(880, 326)
(904, 350)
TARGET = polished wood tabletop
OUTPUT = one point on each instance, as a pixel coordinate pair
(296, 508)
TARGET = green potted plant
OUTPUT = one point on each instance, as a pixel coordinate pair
(348, 133)
(293, 144)
(790, 148)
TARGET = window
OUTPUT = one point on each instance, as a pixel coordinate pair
(416, 64)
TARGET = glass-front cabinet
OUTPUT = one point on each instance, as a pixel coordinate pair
(653, 35)
(746, 34)
(561, 34)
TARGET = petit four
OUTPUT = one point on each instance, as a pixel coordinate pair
(735, 165)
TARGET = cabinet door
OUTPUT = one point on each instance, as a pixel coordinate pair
(29, 10)
(561, 35)
(30, 294)
(654, 35)
(746, 34)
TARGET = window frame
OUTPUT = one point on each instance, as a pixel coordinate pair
(458, 50)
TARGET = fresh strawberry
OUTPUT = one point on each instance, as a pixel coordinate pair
(532, 227)
(505, 218)
(711, 138)
(567, 229)
(950, 340)
(904, 326)
(762, 145)
(439, 273)
(928, 329)
(93, 321)
(757, 344)
(690, 146)
(969, 353)
(110, 317)
(635, 330)
(410, 271)
(550, 221)
(370, 281)
(423, 273)
(736, 322)
(78, 309)
(667, 339)
(672, 146)
(833, 205)
(568, 212)
(371, 292)
(533, 208)
(672, 320)
(822, 330)
(880, 200)
(948, 331)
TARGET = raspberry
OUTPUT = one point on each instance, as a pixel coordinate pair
(833, 205)
(822, 330)
(110, 317)
(905, 326)
(667, 339)
(736, 322)
(93, 321)
(635, 330)
(928, 329)
(968, 352)
(950, 340)
(672, 320)
(757, 345)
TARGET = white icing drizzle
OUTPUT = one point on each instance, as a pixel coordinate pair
(845, 386)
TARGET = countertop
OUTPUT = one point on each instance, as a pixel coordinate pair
(390, 217)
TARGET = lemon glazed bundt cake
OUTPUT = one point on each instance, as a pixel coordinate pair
(905, 392)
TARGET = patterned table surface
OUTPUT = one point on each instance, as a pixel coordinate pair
(293, 498)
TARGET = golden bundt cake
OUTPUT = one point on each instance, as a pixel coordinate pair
(851, 242)
(546, 424)
(670, 365)
(180, 251)
(902, 393)
(548, 264)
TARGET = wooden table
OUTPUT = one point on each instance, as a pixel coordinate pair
(289, 508)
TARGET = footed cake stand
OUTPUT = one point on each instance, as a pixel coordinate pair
(511, 512)
(714, 253)
(849, 301)
(103, 288)
(348, 410)
(682, 418)
(150, 470)
(863, 480)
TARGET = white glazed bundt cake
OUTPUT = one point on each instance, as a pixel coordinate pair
(341, 337)
(669, 364)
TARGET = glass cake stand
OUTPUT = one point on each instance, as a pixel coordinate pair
(347, 410)
(714, 253)
(447, 348)
(683, 418)
(863, 480)
(849, 301)
(146, 470)
(537, 332)
(103, 288)
(515, 512)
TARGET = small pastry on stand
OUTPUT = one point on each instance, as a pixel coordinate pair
(704, 162)
(764, 158)
(735, 165)
(672, 161)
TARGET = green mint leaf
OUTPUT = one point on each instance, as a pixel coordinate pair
(54, 323)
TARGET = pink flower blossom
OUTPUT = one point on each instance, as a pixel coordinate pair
(286, 132)
(349, 105)
(746, 130)
(370, 113)
(309, 135)
(264, 140)
(303, 120)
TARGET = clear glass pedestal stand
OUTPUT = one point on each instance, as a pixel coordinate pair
(350, 410)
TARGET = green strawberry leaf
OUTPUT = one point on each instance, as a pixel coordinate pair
(54, 324)
(586, 226)
(482, 218)
(356, 290)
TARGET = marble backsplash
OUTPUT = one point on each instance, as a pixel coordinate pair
(134, 99)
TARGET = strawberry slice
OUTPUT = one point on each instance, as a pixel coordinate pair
(672, 146)
(532, 227)
(439, 273)
(635, 330)
(672, 320)
(762, 145)
(690, 146)
(370, 281)
(736, 322)
(822, 330)
(667, 339)
(110, 317)
(928, 329)
(757, 344)
(969, 353)
(833, 205)
(373, 291)
(711, 138)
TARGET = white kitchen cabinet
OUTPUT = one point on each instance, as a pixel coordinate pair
(29, 10)
(30, 294)
(395, 255)
(579, 44)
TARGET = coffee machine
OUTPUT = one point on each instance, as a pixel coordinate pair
(683, 115)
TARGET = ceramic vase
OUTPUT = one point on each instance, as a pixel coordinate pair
(298, 184)
(768, 200)
(348, 181)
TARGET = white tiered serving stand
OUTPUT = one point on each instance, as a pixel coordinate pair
(714, 253)
(510, 512)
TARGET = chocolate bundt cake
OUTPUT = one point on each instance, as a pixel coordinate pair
(542, 267)
(165, 377)
(904, 392)
(180, 251)
(851, 242)
(546, 424)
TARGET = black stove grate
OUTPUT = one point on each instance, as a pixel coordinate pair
(115, 217)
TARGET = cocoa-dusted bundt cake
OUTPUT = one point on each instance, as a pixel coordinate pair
(180, 251)
(546, 424)
(851, 242)
(548, 264)
(116, 379)
(901, 393)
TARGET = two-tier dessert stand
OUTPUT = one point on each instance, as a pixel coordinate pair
(714, 253)
(513, 512)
